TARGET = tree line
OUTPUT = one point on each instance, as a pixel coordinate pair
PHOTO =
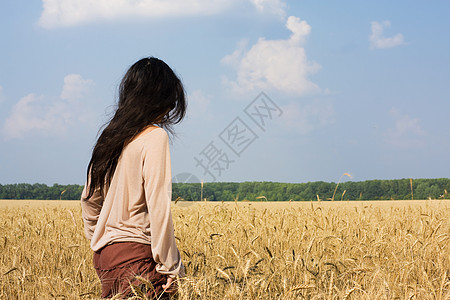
(40, 191)
(398, 189)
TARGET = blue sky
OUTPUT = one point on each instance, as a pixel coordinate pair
(287, 91)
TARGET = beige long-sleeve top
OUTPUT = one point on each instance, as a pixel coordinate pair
(136, 206)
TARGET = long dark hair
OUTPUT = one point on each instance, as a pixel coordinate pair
(150, 94)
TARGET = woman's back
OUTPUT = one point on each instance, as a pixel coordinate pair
(127, 197)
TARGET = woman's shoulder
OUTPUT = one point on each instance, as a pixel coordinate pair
(155, 140)
(150, 139)
(156, 133)
(151, 133)
(152, 142)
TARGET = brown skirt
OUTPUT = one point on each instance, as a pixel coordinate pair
(117, 266)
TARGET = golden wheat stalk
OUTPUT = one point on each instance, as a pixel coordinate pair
(339, 181)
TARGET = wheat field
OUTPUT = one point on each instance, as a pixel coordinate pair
(247, 250)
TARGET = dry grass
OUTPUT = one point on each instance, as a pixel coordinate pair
(339, 250)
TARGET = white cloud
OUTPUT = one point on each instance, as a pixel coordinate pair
(308, 117)
(199, 105)
(379, 41)
(39, 114)
(406, 131)
(29, 114)
(278, 64)
(276, 7)
(58, 13)
(75, 87)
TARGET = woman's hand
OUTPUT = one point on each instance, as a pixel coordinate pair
(170, 287)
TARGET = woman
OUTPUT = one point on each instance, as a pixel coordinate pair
(126, 199)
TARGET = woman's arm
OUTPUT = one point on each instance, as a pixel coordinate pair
(158, 193)
(90, 210)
